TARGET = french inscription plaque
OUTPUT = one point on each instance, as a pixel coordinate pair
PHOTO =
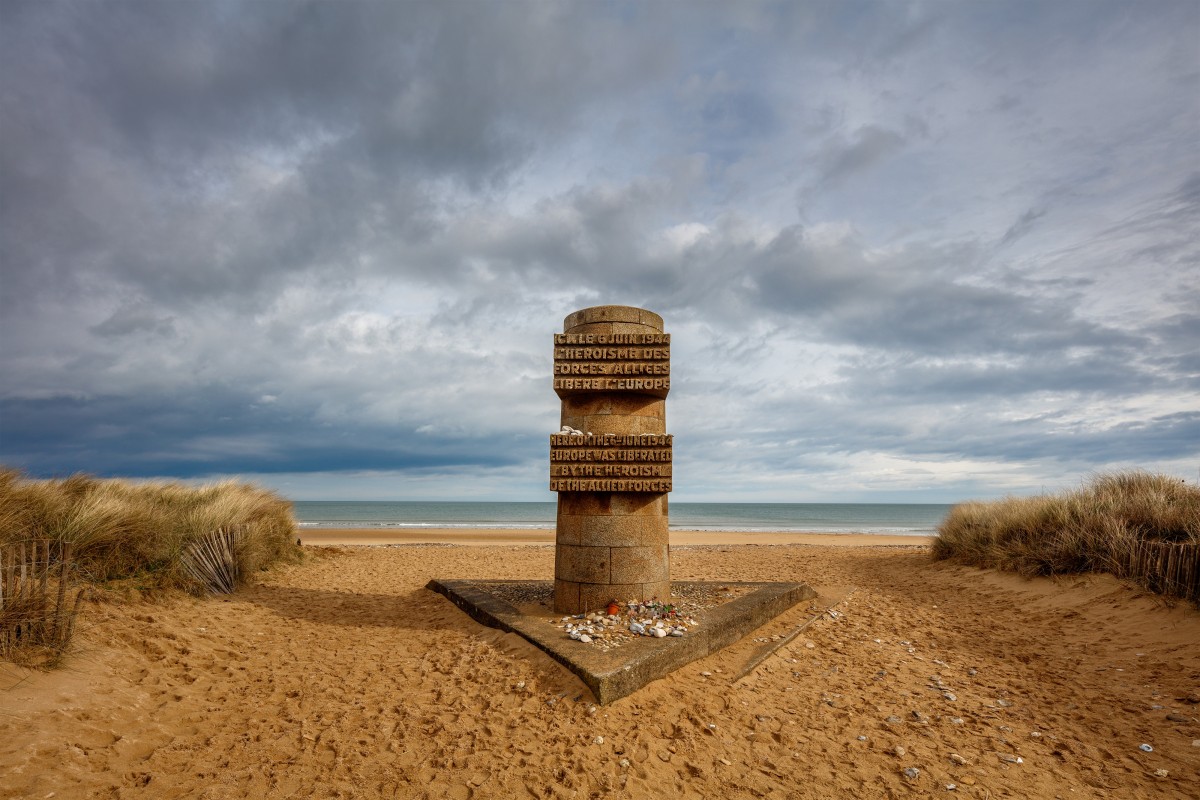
(624, 362)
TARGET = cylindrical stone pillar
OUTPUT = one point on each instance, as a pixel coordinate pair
(611, 466)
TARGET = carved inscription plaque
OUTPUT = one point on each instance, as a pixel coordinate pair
(610, 463)
(617, 362)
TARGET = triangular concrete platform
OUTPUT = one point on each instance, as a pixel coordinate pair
(619, 672)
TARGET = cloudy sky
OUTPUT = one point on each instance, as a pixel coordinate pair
(919, 251)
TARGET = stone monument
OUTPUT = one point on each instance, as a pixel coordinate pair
(611, 465)
(611, 468)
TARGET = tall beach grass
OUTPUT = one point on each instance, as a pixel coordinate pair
(1096, 528)
(121, 529)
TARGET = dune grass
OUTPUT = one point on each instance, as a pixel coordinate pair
(120, 529)
(1095, 528)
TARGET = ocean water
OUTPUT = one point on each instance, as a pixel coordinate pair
(917, 519)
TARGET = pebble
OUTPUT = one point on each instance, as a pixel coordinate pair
(1145, 748)
(660, 633)
(862, 738)
(1035, 735)
(592, 710)
(912, 773)
(1174, 717)
(1010, 758)
(624, 762)
(599, 740)
(950, 787)
(951, 696)
(972, 672)
(1195, 742)
(585, 638)
(706, 674)
(956, 720)
(521, 685)
(893, 719)
(1162, 773)
(957, 759)
(899, 751)
(725, 761)
(1003, 703)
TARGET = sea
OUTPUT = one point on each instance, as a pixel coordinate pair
(916, 519)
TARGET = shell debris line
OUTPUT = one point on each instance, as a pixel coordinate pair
(624, 622)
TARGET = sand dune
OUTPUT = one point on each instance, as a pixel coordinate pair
(343, 677)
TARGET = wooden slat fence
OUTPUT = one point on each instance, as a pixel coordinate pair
(1170, 568)
(35, 576)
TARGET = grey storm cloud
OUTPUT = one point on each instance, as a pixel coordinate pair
(935, 248)
(865, 147)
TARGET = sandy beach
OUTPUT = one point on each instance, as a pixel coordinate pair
(344, 677)
(496, 536)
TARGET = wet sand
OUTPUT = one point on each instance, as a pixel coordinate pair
(498, 536)
(344, 677)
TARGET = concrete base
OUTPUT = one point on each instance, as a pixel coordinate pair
(616, 673)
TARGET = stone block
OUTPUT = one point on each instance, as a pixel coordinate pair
(566, 533)
(613, 531)
(581, 564)
(586, 316)
(657, 590)
(588, 404)
(632, 327)
(593, 597)
(650, 318)
(616, 503)
(621, 423)
(640, 564)
(592, 327)
(566, 596)
(638, 405)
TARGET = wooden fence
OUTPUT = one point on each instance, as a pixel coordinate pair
(35, 577)
(1170, 568)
